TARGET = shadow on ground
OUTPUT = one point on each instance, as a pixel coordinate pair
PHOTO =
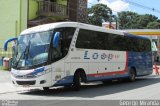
(90, 91)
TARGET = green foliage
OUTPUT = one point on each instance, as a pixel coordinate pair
(153, 25)
(144, 20)
(97, 13)
(126, 20)
(132, 20)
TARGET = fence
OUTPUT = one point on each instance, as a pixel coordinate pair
(52, 8)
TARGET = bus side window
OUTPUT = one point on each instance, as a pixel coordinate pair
(64, 44)
(67, 36)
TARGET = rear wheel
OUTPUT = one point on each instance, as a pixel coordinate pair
(132, 75)
(107, 82)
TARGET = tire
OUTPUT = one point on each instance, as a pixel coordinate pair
(132, 75)
(77, 81)
(46, 88)
(107, 82)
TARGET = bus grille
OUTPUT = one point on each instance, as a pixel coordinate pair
(26, 82)
(25, 76)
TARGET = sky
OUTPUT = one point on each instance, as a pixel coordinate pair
(124, 5)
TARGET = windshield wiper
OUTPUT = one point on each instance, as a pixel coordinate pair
(21, 56)
(27, 50)
(25, 53)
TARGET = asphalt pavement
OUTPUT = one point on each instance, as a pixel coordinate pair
(6, 85)
(93, 94)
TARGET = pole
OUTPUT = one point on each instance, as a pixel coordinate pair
(110, 19)
(116, 22)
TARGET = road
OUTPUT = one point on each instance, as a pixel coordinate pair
(144, 88)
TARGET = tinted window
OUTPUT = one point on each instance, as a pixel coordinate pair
(138, 44)
(99, 40)
(88, 39)
(62, 49)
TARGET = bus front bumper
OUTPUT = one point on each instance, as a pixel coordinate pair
(39, 81)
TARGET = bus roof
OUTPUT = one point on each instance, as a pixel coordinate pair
(46, 27)
(141, 37)
(51, 26)
(150, 32)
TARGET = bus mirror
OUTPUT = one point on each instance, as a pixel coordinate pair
(7, 41)
(56, 39)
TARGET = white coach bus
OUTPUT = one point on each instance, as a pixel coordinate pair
(68, 53)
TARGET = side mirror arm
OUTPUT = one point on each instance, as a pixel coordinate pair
(6, 43)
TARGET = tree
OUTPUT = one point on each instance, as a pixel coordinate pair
(97, 13)
(153, 25)
(144, 20)
(128, 20)
(132, 20)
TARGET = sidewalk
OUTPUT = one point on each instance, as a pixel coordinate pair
(6, 85)
(5, 76)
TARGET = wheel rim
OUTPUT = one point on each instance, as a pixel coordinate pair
(132, 75)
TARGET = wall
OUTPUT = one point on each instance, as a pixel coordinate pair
(78, 10)
(73, 10)
(33, 8)
(82, 11)
(13, 19)
(9, 19)
(24, 14)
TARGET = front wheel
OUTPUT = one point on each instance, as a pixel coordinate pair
(77, 81)
(132, 75)
(46, 88)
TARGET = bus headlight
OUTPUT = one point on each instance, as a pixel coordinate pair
(40, 71)
(43, 72)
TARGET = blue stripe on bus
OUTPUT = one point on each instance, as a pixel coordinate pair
(136, 36)
(141, 61)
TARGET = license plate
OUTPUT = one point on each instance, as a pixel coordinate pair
(26, 86)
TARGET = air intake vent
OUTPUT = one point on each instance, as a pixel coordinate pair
(26, 82)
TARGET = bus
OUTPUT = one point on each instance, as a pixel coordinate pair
(71, 53)
(154, 35)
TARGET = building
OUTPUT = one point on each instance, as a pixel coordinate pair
(60, 10)
(110, 25)
(17, 15)
(13, 19)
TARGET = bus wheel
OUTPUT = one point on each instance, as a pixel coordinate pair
(107, 82)
(77, 81)
(132, 75)
(46, 88)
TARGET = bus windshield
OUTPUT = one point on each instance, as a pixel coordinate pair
(31, 49)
